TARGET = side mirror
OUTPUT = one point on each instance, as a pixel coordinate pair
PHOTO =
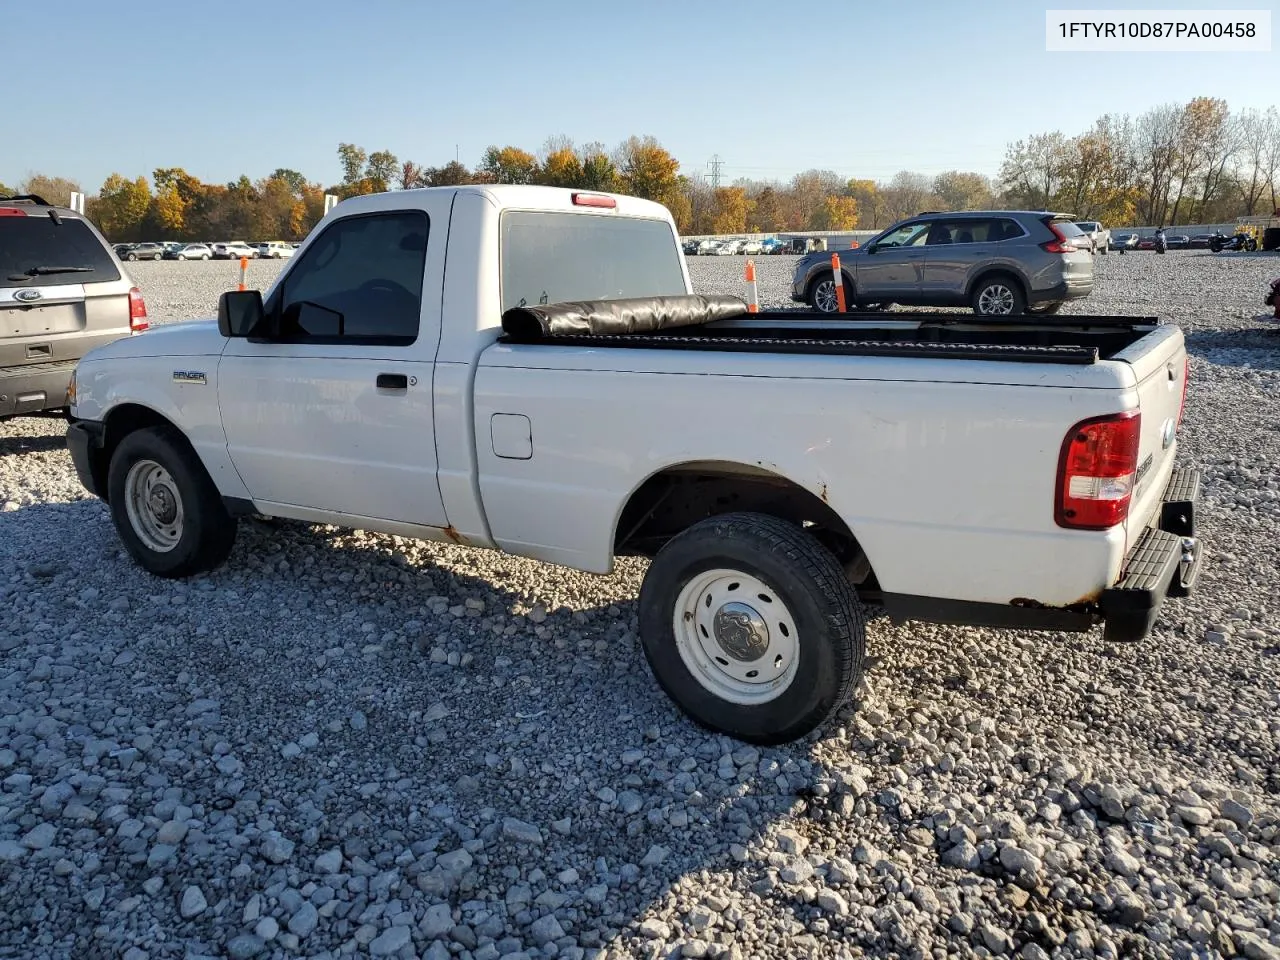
(240, 313)
(870, 248)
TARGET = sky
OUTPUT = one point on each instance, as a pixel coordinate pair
(861, 87)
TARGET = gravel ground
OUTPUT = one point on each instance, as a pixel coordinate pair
(349, 744)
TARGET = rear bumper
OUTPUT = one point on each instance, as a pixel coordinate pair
(34, 387)
(84, 443)
(1164, 562)
(1066, 290)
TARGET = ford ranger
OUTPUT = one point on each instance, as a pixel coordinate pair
(526, 369)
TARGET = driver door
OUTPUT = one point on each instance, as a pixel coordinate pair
(332, 411)
(893, 270)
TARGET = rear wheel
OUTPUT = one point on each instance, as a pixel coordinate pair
(752, 628)
(998, 296)
(165, 507)
(204, 256)
(132, 256)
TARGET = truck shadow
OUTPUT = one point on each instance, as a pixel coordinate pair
(13, 445)
(1257, 347)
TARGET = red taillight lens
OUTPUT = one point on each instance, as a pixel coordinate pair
(137, 311)
(12, 212)
(1096, 472)
(594, 200)
(1182, 405)
(1061, 245)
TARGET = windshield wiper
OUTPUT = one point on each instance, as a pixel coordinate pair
(47, 271)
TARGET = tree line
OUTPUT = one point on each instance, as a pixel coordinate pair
(1177, 163)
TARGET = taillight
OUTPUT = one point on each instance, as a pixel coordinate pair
(1061, 245)
(12, 212)
(1096, 472)
(1182, 404)
(137, 311)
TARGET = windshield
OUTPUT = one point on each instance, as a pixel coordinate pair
(35, 246)
(558, 257)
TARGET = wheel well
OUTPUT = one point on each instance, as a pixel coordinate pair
(824, 274)
(119, 423)
(997, 272)
(674, 499)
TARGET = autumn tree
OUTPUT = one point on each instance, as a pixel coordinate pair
(56, 190)
(382, 168)
(452, 174)
(562, 168)
(907, 194)
(121, 207)
(1032, 170)
(730, 209)
(6, 191)
(647, 170)
(353, 161)
(766, 211)
(411, 175)
(1258, 160)
(509, 165)
(599, 172)
(836, 213)
(866, 193)
(963, 190)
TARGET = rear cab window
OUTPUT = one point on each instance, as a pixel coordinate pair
(33, 247)
(550, 257)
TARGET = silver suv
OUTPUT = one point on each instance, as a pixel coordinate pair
(62, 293)
(999, 262)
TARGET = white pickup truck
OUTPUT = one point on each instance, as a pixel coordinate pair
(526, 369)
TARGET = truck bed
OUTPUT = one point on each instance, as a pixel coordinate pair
(1076, 339)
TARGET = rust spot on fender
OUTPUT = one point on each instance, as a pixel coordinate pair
(456, 537)
(823, 494)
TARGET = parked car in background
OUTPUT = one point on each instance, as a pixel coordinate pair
(940, 480)
(689, 248)
(752, 248)
(194, 251)
(145, 251)
(1124, 241)
(1146, 243)
(706, 248)
(171, 246)
(729, 248)
(275, 250)
(122, 249)
(234, 250)
(771, 246)
(62, 293)
(999, 263)
(1177, 241)
(1201, 241)
(1098, 236)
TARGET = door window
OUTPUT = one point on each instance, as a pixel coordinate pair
(907, 235)
(966, 230)
(360, 281)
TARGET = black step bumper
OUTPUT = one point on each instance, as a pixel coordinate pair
(1164, 562)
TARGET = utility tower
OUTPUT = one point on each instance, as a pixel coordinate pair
(716, 164)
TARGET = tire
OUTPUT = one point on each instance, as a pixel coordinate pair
(132, 257)
(1044, 309)
(204, 256)
(1106, 248)
(183, 528)
(998, 289)
(1271, 238)
(796, 581)
(822, 298)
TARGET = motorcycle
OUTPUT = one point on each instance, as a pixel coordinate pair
(1240, 241)
(1162, 245)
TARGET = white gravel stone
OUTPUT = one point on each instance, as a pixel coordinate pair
(193, 903)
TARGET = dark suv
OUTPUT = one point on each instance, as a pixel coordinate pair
(62, 293)
(998, 262)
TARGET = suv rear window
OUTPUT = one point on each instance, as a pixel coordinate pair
(29, 242)
(558, 257)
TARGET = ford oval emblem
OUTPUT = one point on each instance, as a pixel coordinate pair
(27, 296)
(1167, 432)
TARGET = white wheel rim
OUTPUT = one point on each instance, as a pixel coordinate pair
(824, 296)
(154, 506)
(736, 636)
(996, 299)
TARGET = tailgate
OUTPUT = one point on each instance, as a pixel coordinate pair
(58, 322)
(1159, 362)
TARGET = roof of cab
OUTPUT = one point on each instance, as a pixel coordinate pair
(506, 196)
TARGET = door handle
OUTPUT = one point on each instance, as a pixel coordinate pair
(393, 381)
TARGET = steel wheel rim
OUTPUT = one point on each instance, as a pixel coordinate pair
(996, 300)
(736, 636)
(824, 296)
(154, 506)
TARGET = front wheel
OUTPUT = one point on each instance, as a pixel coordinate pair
(998, 296)
(822, 295)
(752, 628)
(165, 507)
(204, 256)
(132, 257)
